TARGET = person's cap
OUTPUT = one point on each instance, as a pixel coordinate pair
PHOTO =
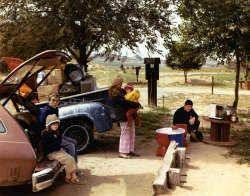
(129, 86)
(188, 102)
(116, 80)
(51, 119)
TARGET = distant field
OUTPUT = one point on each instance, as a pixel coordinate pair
(129, 63)
(168, 77)
(171, 85)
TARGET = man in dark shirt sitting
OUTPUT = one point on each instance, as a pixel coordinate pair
(187, 115)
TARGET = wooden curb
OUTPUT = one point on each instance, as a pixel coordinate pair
(169, 172)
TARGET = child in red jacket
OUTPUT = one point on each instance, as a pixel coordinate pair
(132, 95)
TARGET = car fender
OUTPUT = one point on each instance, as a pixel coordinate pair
(96, 112)
(17, 157)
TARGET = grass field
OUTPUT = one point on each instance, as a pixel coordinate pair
(170, 78)
(175, 90)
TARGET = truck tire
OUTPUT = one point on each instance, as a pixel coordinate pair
(80, 131)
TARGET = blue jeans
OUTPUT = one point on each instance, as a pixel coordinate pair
(70, 146)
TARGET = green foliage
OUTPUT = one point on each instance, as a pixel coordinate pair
(3, 67)
(26, 30)
(184, 56)
(219, 27)
(81, 27)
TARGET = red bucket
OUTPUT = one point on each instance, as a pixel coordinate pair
(163, 141)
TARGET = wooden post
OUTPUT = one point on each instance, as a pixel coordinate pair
(212, 85)
(137, 72)
(181, 157)
(150, 90)
(152, 75)
(160, 183)
(174, 177)
(163, 101)
(168, 174)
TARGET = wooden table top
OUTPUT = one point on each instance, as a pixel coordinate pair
(219, 121)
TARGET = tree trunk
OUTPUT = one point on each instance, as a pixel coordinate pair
(247, 73)
(185, 76)
(83, 63)
(83, 59)
(236, 92)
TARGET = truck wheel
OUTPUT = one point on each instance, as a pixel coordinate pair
(81, 132)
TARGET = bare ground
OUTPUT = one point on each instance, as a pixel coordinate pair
(210, 172)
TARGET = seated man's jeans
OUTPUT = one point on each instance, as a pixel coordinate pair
(70, 146)
(195, 126)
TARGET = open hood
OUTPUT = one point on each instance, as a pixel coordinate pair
(41, 61)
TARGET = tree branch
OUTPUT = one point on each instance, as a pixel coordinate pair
(73, 53)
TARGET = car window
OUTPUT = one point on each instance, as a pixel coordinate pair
(2, 127)
(17, 76)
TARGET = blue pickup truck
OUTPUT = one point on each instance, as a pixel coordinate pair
(79, 114)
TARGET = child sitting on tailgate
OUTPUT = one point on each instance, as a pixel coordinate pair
(51, 140)
(132, 95)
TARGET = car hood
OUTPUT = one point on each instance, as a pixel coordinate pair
(41, 61)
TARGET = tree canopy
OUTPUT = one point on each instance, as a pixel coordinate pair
(184, 56)
(220, 27)
(81, 27)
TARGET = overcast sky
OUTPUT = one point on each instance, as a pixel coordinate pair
(143, 52)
